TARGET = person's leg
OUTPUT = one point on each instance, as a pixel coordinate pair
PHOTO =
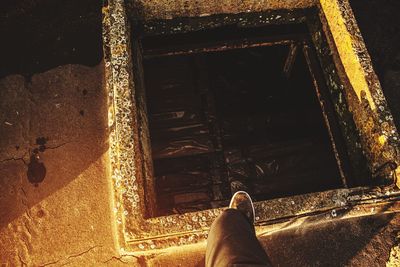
(232, 240)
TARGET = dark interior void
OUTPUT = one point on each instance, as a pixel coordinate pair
(158, 44)
(230, 120)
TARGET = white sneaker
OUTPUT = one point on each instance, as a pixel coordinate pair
(242, 202)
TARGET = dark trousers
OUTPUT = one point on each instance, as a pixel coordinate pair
(232, 242)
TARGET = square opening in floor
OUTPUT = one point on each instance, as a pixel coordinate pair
(239, 112)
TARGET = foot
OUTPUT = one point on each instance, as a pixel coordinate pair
(242, 202)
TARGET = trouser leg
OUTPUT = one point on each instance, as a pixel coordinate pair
(232, 240)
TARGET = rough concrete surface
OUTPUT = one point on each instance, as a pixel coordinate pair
(54, 187)
(362, 241)
(145, 9)
(55, 206)
(380, 25)
(65, 217)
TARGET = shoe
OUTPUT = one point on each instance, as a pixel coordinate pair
(242, 202)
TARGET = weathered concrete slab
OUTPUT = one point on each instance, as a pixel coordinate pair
(64, 216)
(183, 8)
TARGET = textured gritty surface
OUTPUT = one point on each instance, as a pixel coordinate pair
(379, 138)
(166, 9)
(127, 162)
(379, 23)
(363, 241)
(66, 217)
(52, 223)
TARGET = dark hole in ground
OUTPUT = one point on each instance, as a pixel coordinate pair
(220, 119)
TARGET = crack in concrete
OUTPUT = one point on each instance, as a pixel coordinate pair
(122, 256)
(84, 252)
(27, 229)
(58, 146)
(141, 260)
(13, 158)
(29, 152)
(24, 201)
(24, 193)
(49, 263)
(69, 257)
(26, 246)
(22, 262)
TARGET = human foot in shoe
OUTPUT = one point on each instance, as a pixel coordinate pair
(242, 202)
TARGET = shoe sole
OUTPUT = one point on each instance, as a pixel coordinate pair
(251, 201)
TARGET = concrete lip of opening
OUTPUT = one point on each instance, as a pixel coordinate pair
(366, 123)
